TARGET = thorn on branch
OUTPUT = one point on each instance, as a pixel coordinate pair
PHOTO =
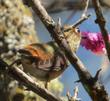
(59, 22)
(77, 81)
(97, 75)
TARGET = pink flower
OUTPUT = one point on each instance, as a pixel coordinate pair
(93, 42)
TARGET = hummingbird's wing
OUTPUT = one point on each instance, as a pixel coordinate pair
(55, 64)
(43, 59)
(36, 51)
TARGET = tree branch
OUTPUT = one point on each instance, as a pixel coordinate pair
(22, 77)
(94, 89)
(65, 5)
(101, 22)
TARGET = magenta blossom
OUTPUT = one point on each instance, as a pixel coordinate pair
(93, 42)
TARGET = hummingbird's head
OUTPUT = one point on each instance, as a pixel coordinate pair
(73, 37)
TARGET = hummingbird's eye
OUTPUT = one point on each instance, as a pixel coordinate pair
(77, 30)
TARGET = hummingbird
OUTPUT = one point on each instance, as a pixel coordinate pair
(46, 61)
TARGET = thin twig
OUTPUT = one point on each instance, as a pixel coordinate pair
(22, 77)
(77, 23)
(101, 22)
(75, 96)
(94, 89)
(86, 7)
(83, 17)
